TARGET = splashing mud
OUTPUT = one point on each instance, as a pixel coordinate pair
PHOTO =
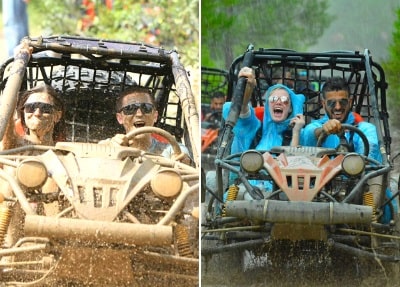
(290, 265)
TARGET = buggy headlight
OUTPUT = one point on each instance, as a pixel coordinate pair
(251, 161)
(31, 173)
(353, 164)
(166, 183)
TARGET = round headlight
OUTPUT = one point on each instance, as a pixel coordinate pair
(353, 164)
(166, 183)
(31, 173)
(252, 161)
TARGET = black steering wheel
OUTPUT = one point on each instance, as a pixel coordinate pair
(356, 130)
(172, 141)
(213, 121)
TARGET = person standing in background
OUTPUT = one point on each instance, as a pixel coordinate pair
(15, 22)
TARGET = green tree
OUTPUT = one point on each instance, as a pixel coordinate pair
(228, 26)
(54, 17)
(174, 23)
(392, 69)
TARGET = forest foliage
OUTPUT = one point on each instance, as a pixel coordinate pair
(229, 26)
(172, 24)
(392, 69)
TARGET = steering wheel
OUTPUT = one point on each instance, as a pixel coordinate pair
(213, 121)
(171, 140)
(356, 130)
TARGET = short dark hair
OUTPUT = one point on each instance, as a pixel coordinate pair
(134, 90)
(218, 95)
(335, 84)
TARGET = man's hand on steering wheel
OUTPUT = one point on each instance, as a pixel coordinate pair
(184, 158)
(120, 140)
(332, 126)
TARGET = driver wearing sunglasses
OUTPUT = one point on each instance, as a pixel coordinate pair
(136, 108)
(337, 103)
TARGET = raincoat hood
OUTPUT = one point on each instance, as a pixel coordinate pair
(272, 131)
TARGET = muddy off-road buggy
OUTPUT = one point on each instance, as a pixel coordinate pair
(116, 216)
(326, 199)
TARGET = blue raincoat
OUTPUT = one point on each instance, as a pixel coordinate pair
(332, 141)
(272, 133)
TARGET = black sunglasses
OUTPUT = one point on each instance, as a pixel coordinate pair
(332, 103)
(131, 109)
(43, 107)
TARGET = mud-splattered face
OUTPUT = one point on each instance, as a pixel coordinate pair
(137, 111)
(279, 105)
(40, 113)
(337, 104)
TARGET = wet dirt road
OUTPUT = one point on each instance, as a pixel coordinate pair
(303, 270)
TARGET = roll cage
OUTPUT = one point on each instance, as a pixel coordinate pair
(308, 72)
(89, 74)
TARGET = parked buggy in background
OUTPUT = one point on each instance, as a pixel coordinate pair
(212, 81)
(321, 198)
(117, 215)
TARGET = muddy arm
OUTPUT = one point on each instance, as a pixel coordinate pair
(9, 97)
(10, 138)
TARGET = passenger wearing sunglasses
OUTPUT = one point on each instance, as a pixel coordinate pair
(337, 103)
(136, 108)
(40, 112)
(282, 122)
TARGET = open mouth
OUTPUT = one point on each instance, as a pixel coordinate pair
(139, 124)
(278, 111)
(337, 115)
